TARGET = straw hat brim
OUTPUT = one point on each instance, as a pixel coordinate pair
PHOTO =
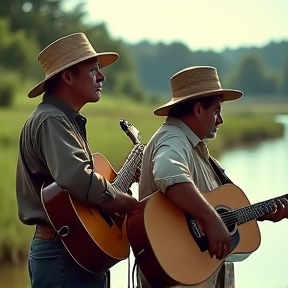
(104, 60)
(226, 95)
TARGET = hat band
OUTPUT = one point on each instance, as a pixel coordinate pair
(196, 88)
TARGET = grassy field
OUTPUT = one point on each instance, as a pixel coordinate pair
(242, 125)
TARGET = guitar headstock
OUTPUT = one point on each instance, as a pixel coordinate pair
(130, 131)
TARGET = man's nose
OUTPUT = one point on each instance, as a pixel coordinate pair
(100, 77)
(219, 120)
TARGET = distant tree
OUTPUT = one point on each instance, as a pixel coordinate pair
(45, 20)
(8, 87)
(157, 63)
(284, 78)
(18, 51)
(251, 76)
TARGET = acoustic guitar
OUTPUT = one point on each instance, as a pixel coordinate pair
(169, 246)
(95, 239)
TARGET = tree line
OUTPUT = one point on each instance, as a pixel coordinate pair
(143, 70)
(256, 71)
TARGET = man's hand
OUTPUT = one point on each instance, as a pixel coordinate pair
(120, 202)
(280, 212)
(137, 175)
(218, 237)
(189, 199)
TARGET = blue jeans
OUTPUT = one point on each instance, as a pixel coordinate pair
(50, 265)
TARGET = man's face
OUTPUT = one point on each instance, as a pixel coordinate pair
(219, 121)
(212, 118)
(88, 81)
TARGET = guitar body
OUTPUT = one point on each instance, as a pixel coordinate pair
(95, 241)
(168, 251)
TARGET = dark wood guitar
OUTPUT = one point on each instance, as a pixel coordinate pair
(169, 246)
(95, 239)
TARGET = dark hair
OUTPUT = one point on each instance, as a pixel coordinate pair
(52, 83)
(186, 107)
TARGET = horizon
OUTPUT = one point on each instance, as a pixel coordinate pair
(261, 22)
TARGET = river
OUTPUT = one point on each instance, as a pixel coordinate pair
(261, 172)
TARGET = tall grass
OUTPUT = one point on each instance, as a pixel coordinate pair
(105, 136)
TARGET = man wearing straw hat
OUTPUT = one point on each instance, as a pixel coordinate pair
(53, 147)
(176, 161)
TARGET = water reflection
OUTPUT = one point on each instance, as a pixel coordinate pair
(262, 173)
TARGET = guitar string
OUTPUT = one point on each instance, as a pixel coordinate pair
(125, 175)
(234, 217)
(229, 217)
(128, 167)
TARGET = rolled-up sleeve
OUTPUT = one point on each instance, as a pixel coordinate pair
(69, 164)
(170, 163)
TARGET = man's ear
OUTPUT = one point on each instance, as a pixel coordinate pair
(198, 109)
(67, 77)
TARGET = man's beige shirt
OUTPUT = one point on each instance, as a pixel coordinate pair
(170, 157)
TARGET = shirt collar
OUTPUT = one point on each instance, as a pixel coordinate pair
(193, 138)
(62, 105)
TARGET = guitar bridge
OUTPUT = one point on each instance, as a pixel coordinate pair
(194, 228)
(196, 233)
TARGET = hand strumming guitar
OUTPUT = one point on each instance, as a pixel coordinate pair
(188, 198)
(121, 202)
(217, 236)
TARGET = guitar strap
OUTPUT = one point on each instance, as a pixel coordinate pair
(219, 171)
(221, 277)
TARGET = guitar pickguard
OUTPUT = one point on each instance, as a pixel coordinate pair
(201, 239)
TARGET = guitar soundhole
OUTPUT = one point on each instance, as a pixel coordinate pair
(230, 220)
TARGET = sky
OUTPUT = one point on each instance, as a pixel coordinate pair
(199, 24)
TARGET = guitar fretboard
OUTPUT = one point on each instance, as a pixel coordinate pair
(125, 177)
(252, 212)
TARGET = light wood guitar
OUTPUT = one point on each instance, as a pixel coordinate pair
(96, 240)
(169, 246)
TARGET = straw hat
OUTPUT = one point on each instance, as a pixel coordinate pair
(196, 82)
(65, 52)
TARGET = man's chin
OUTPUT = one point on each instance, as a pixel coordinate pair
(96, 97)
(211, 136)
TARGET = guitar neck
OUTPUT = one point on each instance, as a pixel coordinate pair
(125, 177)
(257, 210)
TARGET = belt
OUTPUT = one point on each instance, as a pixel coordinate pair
(45, 233)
